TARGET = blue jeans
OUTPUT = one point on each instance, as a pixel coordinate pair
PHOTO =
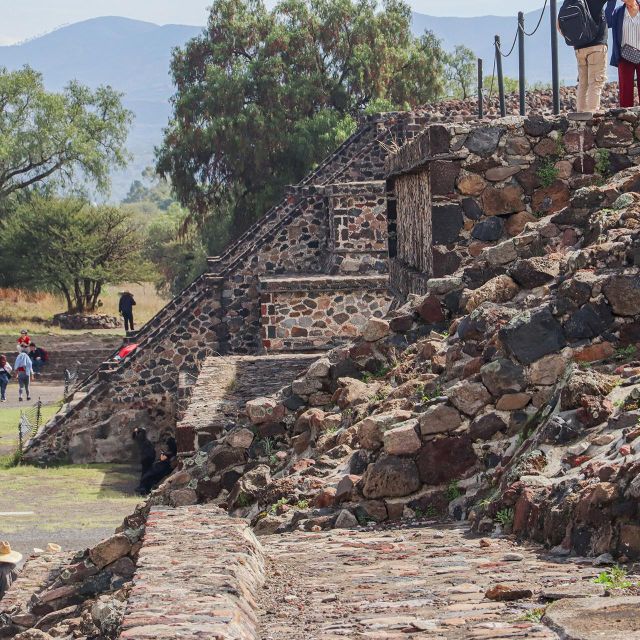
(37, 366)
(4, 381)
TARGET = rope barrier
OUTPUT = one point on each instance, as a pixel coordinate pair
(539, 21)
(513, 46)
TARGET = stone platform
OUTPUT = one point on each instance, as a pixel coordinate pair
(198, 574)
(224, 386)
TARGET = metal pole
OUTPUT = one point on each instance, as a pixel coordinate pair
(521, 78)
(480, 94)
(553, 5)
(503, 108)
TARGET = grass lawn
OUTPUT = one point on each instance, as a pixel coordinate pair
(69, 497)
(9, 430)
(35, 309)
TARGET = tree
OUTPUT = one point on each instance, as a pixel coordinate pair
(262, 96)
(56, 137)
(151, 188)
(461, 72)
(70, 246)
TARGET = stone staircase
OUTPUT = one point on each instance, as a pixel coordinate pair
(224, 386)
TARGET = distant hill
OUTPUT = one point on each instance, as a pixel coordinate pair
(134, 56)
(129, 55)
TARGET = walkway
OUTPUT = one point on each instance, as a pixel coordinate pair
(204, 575)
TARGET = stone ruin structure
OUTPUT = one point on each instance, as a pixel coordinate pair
(494, 379)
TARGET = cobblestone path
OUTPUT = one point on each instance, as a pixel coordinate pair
(409, 583)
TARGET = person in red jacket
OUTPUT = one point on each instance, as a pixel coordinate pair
(24, 340)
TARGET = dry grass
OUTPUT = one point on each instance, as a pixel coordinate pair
(34, 310)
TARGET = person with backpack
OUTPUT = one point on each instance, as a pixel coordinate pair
(584, 27)
(625, 52)
(24, 368)
(38, 357)
(5, 376)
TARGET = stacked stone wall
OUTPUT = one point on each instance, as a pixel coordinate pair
(487, 182)
(320, 312)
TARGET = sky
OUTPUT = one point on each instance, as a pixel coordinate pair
(22, 19)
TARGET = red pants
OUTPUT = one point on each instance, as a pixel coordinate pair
(627, 75)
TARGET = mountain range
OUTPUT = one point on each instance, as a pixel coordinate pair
(134, 57)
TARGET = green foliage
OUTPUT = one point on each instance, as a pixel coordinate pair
(614, 578)
(534, 615)
(547, 172)
(56, 139)
(263, 95)
(461, 72)
(504, 517)
(511, 85)
(243, 500)
(273, 509)
(453, 491)
(302, 505)
(625, 353)
(603, 163)
(70, 246)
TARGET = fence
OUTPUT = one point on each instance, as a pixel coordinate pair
(29, 424)
(519, 39)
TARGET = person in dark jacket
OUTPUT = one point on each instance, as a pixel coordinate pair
(38, 358)
(624, 21)
(146, 450)
(158, 472)
(126, 310)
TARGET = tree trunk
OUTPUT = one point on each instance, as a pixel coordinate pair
(77, 294)
(67, 295)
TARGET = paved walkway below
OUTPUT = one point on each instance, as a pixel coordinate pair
(406, 583)
(48, 392)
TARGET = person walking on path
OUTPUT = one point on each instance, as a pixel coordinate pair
(584, 27)
(8, 561)
(38, 357)
(24, 368)
(5, 376)
(126, 309)
(625, 51)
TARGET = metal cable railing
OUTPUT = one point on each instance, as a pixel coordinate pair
(519, 38)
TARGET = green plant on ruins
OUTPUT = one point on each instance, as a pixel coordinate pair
(534, 615)
(453, 491)
(243, 500)
(547, 172)
(603, 162)
(614, 578)
(504, 517)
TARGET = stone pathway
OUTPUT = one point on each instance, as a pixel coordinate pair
(427, 582)
(197, 577)
(225, 384)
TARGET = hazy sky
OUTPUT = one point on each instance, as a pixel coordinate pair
(21, 19)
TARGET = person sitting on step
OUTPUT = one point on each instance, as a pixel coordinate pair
(160, 469)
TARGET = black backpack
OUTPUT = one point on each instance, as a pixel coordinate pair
(577, 24)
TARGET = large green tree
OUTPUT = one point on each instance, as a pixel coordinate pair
(58, 138)
(70, 246)
(264, 95)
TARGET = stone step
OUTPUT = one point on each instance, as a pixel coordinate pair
(224, 386)
(198, 576)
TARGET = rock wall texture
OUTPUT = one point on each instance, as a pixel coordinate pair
(460, 188)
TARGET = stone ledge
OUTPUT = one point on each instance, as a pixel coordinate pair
(356, 188)
(324, 283)
(198, 576)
